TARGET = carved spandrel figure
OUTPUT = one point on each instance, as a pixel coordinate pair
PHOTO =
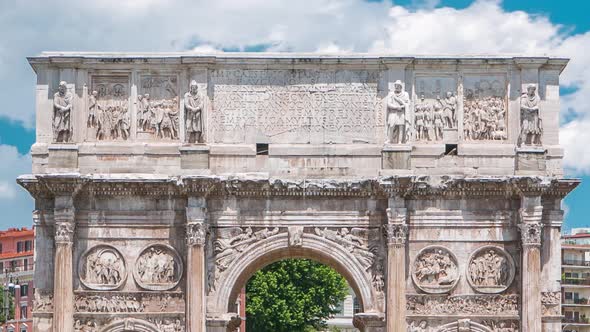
(193, 107)
(397, 105)
(62, 108)
(531, 125)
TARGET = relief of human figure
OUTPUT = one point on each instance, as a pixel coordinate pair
(62, 107)
(93, 108)
(397, 105)
(193, 106)
(449, 107)
(438, 119)
(531, 123)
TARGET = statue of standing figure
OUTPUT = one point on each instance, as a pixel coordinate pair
(62, 107)
(193, 106)
(397, 105)
(531, 125)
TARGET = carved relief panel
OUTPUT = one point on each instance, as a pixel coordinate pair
(158, 107)
(491, 270)
(485, 107)
(435, 270)
(108, 108)
(102, 268)
(295, 106)
(158, 267)
(436, 107)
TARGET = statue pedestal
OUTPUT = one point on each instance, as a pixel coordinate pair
(396, 156)
(63, 156)
(530, 160)
(194, 156)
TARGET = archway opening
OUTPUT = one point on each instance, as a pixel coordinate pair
(297, 294)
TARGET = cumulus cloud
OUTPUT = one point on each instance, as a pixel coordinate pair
(15, 203)
(334, 26)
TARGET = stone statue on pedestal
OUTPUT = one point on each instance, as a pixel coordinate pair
(62, 107)
(397, 105)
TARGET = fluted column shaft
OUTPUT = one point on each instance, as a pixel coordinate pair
(63, 289)
(196, 236)
(530, 231)
(397, 232)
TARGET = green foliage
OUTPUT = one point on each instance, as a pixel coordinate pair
(3, 308)
(293, 295)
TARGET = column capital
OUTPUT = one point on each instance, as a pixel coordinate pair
(196, 233)
(530, 233)
(64, 225)
(396, 234)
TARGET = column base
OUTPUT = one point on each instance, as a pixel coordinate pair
(369, 321)
(223, 323)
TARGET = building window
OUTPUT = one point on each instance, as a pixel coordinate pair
(23, 329)
(0, 248)
(24, 290)
(356, 306)
(20, 246)
(28, 245)
(1, 267)
(23, 311)
(13, 265)
(25, 264)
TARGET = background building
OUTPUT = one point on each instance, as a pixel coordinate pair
(16, 266)
(575, 280)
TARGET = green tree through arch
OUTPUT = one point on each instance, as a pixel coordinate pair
(293, 295)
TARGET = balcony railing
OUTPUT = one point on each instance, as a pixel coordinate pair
(576, 301)
(576, 281)
(580, 320)
(576, 262)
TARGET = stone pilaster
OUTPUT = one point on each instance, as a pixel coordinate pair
(531, 213)
(196, 236)
(63, 289)
(397, 232)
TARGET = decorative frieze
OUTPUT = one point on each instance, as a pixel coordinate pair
(551, 303)
(123, 302)
(436, 107)
(481, 305)
(43, 301)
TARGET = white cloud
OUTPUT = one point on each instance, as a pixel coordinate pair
(575, 137)
(335, 26)
(15, 203)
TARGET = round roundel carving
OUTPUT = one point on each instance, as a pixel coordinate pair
(491, 270)
(102, 268)
(158, 267)
(435, 270)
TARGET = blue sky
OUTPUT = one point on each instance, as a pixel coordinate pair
(337, 26)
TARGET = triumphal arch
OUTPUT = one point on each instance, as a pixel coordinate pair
(162, 182)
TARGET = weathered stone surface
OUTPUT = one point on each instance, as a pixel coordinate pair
(164, 181)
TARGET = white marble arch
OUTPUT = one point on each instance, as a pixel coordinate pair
(276, 248)
(130, 325)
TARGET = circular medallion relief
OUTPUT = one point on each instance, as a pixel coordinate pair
(435, 270)
(158, 267)
(102, 268)
(491, 270)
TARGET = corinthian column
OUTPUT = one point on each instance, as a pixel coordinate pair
(196, 234)
(530, 231)
(397, 232)
(63, 288)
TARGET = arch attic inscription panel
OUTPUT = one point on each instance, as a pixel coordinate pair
(162, 182)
